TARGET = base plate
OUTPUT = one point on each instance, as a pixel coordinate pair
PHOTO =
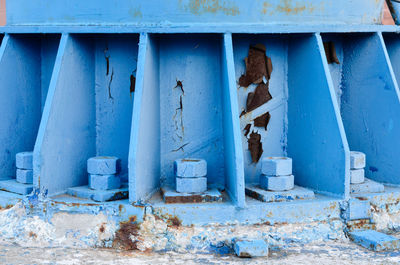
(171, 196)
(297, 193)
(368, 186)
(100, 195)
(12, 185)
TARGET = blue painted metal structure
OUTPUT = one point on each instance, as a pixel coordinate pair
(91, 110)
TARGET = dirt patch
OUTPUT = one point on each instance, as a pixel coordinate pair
(123, 237)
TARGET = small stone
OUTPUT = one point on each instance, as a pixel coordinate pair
(25, 176)
(104, 182)
(190, 168)
(375, 241)
(357, 160)
(276, 166)
(358, 209)
(277, 183)
(24, 160)
(191, 185)
(251, 248)
(103, 165)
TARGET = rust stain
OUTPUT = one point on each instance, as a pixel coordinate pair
(199, 7)
(255, 146)
(123, 236)
(102, 228)
(32, 234)
(360, 224)
(287, 7)
(135, 12)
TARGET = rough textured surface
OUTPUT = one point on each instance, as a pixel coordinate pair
(248, 248)
(375, 241)
(368, 186)
(297, 193)
(99, 195)
(13, 186)
(171, 196)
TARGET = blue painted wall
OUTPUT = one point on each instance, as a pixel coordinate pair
(89, 112)
(274, 139)
(370, 104)
(175, 12)
(26, 65)
(316, 138)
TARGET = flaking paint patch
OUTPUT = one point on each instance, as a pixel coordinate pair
(199, 7)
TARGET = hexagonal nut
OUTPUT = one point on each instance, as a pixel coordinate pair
(190, 168)
(104, 182)
(357, 176)
(277, 183)
(103, 165)
(191, 185)
(24, 160)
(276, 166)
(357, 160)
(24, 176)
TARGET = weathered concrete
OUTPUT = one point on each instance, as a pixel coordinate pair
(375, 241)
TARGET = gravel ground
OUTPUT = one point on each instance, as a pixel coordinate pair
(322, 253)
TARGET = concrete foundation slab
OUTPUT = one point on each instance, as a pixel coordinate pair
(297, 193)
(171, 196)
(13, 186)
(368, 186)
(100, 195)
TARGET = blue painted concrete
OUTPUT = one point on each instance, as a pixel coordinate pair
(368, 186)
(375, 241)
(358, 209)
(99, 195)
(12, 185)
(248, 248)
(191, 11)
(297, 193)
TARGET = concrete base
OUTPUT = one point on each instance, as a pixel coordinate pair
(297, 193)
(171, 196)
(100, 195)
(368, 186)
(12, 185)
